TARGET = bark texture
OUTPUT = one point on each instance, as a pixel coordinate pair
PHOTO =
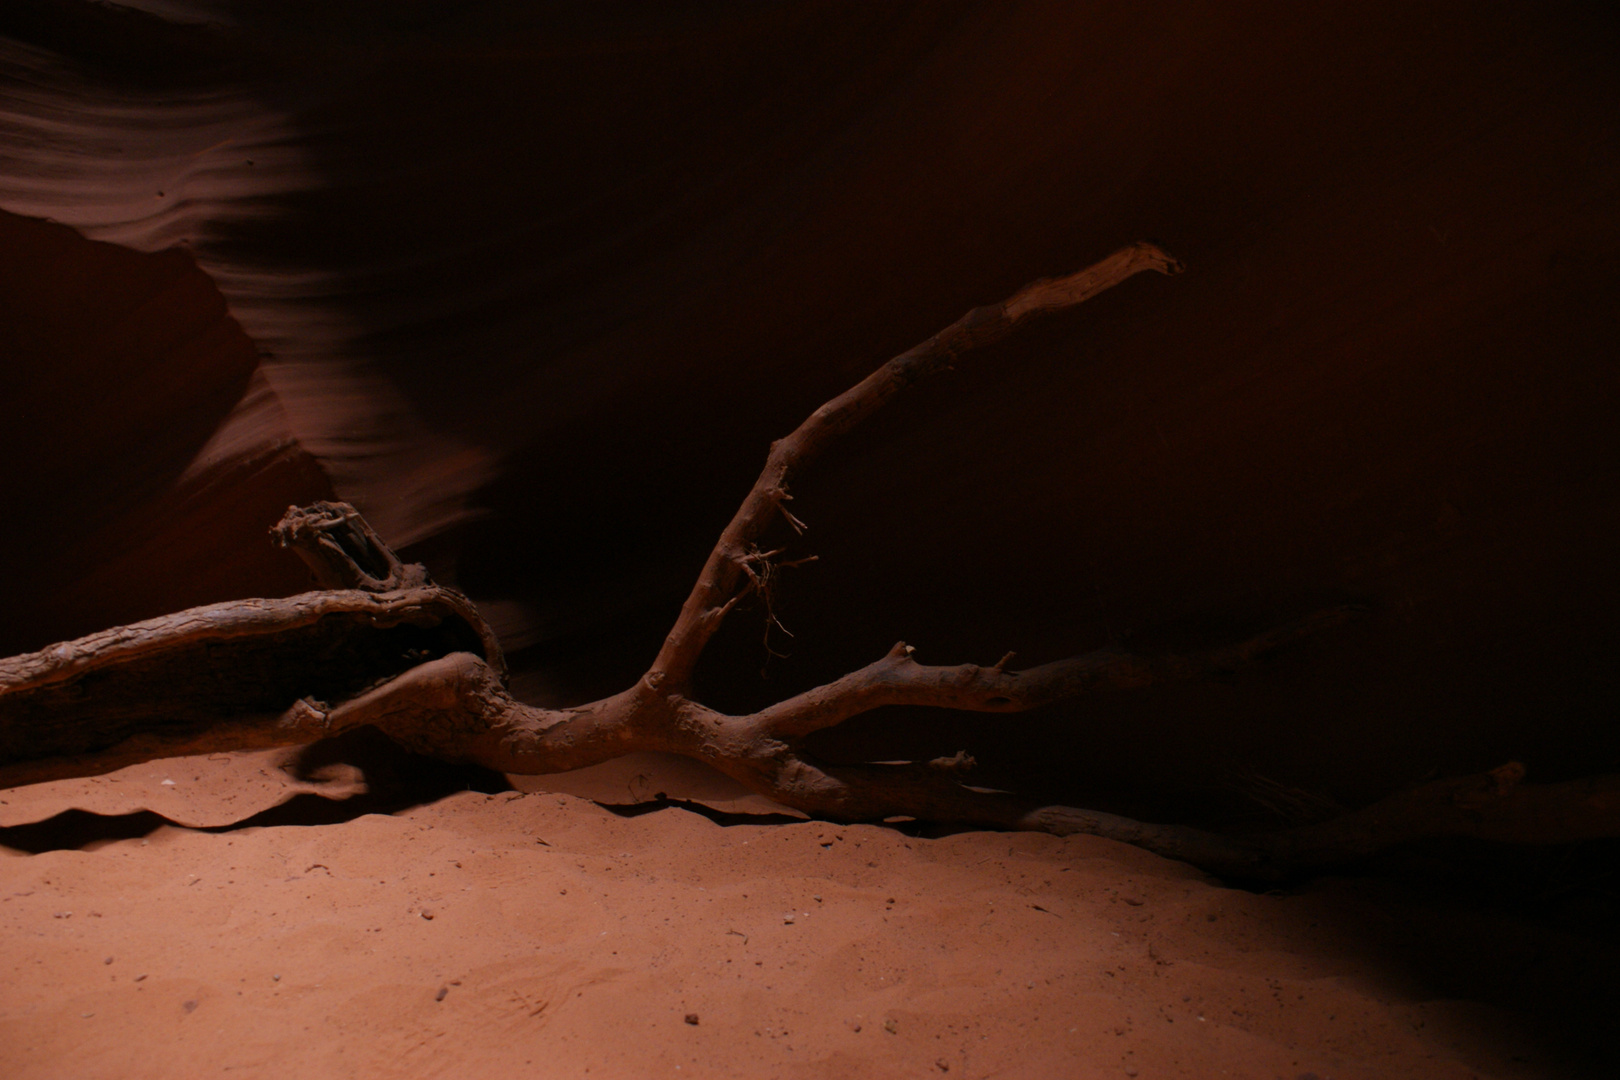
(382, 645)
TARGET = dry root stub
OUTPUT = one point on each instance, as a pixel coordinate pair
(382, 645)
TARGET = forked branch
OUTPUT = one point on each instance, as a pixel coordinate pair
(384, 646)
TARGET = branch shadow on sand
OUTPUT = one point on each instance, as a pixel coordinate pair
(390, 780)
(363, 772)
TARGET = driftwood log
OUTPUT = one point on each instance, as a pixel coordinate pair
(380, 644)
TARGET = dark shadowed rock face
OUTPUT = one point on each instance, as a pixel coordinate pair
(538, 290)
(119, 368)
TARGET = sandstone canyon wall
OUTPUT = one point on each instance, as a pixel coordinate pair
(536, 286)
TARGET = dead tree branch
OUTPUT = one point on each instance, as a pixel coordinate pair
(382, 645)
